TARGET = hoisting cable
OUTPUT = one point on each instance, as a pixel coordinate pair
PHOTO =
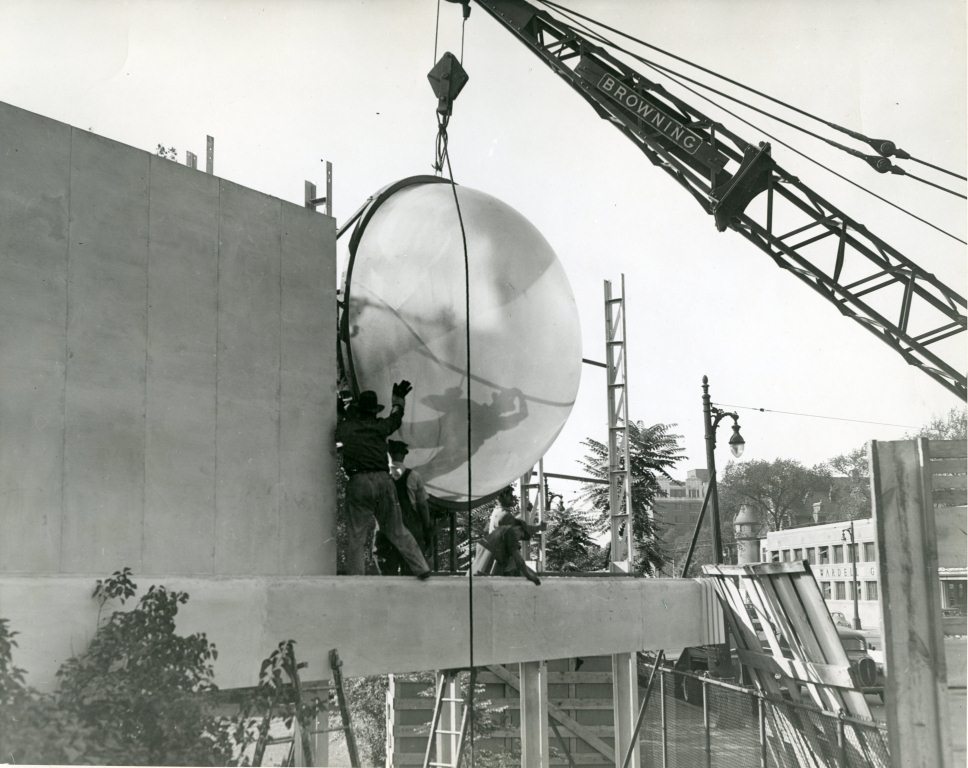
(442, 160)
(877, 162)
(883, 147)
(605, 41)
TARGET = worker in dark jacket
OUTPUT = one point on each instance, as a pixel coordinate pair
(415, 509)
(371, 496)
(501, 551)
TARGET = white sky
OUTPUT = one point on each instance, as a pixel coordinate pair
(282, 85)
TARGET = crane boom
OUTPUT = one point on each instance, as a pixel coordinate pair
(867, 279)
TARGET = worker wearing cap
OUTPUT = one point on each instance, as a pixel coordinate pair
(414, 507)
(505, 511)
(370, 494)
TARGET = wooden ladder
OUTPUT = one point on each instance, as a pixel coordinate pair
(448, 743)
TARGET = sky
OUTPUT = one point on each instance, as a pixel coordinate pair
(284, 85)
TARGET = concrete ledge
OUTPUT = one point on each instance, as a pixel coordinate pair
(379, 624)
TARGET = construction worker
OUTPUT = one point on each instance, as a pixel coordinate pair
(414, 507)
(500, 553)
(506, 509)
(371, 496)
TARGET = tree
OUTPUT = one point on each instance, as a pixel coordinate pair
(852, 497)
(776, 490)
(653, 451)
(951, 426)
(169, 153)
(131, 698)
(569, 545)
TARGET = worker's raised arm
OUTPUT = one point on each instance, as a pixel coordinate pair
(400, 391)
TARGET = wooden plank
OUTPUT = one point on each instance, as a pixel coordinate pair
(797, 566)
(801, 671)
(917, 703)
(509, 703)
(809, 600)
(946, 449)
(948, 467)
(585, 733)
(948, 498)
(555, 678)
(948, 483)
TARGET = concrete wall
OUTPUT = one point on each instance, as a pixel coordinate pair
(378, 624)
(167, 365)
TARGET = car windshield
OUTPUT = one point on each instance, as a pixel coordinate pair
(854, 644)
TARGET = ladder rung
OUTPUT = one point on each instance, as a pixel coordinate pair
(446, 699)
(617, 342)
(613, 301)
(447, 733)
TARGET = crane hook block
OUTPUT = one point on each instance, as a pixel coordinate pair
(447, 78)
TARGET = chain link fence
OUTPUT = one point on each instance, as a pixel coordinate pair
(701, 722)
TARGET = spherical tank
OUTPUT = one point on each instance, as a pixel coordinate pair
(405, 319)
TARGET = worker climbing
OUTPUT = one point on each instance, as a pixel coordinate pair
(371, 496)
(500, 552)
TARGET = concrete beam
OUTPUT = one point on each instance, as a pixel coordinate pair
(379, 624)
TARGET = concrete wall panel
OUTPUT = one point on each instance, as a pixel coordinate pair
(166, 365)
(105, 397)
(249, 323)
(307, 533)
(35, 169)
(182, 323)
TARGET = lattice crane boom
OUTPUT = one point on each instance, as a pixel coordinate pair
(867, 279)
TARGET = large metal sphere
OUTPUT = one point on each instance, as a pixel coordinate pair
(406, 320)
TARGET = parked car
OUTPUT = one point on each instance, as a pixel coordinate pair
(868, 674)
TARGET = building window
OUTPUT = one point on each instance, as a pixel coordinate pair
(871, 590)
(811, 555)
(852, 552)
(854, 586)
(823, 556)
(775, 556)
(869, 554)
(798, 554)
(825, 588)
(953, 597)
(786, 555)
(765, 557)
(838, 553)
(841, 587)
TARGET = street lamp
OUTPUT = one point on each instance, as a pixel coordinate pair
(853, 559)
(711, 418)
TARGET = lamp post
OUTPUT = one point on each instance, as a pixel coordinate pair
(853, 560)
(711, 418)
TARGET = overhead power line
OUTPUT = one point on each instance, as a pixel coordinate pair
(815, 416)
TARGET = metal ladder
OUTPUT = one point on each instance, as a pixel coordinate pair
(445, 746)
(619, 478)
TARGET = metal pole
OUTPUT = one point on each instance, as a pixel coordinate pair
(710, 433)
(853, 557)
(761, 710)
(662, 715)
(695, 533)
(705, 720)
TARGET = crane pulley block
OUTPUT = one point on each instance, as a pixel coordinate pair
(753, 176)
(447, 79)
